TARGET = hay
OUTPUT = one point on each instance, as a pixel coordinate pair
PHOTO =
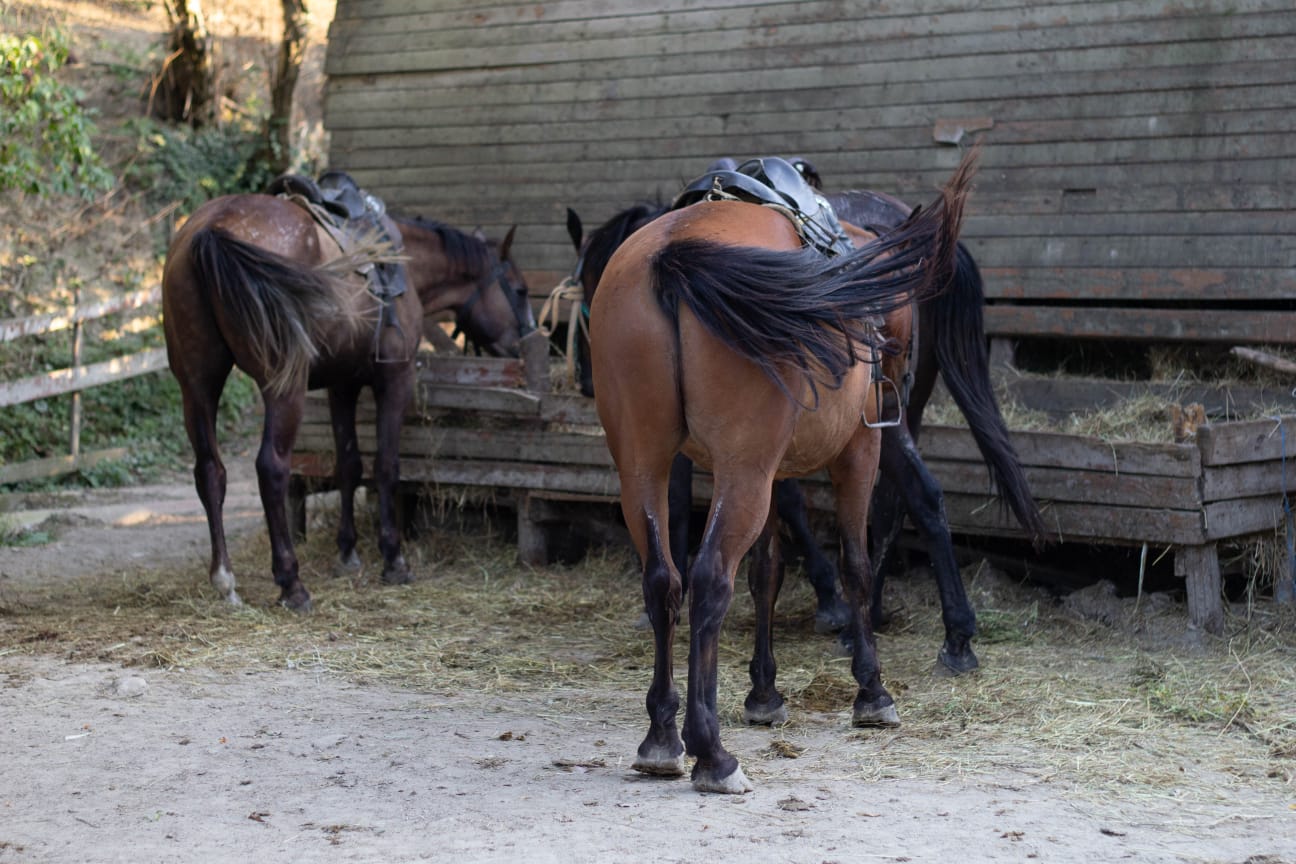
(1145, 707)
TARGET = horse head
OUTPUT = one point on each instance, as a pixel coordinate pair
(473, 277)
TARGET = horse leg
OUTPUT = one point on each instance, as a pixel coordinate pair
(831, 614)
(853, 475)
(349, 470)
(730, 533)
(200, 399)
(282, 418)
(925, 504)
(765, 569)
(662, 751)
(392, 394)
(886, 522)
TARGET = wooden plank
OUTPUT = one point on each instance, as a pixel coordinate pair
(520, 445)
(1231, 482)
(1076, 486)
(465, 370)
(1057, 450)
(13, 328)
(56, 466)
(1048, 48)
(1062, 395)
(516, 475)
(1271, 439)
(495, 400)
(1242, 516)
(1146, 284)
(1146, 325)
(82, 377)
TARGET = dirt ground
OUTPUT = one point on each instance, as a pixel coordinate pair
(110, 762)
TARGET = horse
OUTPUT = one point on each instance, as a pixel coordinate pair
(714, 333)
(951, 342)
(252, 281)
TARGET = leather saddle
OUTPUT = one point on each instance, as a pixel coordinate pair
(772, 182)
(349, 214)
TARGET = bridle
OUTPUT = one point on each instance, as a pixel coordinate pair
(519, 303)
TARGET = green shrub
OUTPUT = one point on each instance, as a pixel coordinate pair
(178, 163)
(45, 135)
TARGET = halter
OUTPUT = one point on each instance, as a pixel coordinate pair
(516, 302)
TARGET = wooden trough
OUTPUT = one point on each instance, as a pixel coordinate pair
(492, 424)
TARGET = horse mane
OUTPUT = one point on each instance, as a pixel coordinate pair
(468, 254)
(609, 236)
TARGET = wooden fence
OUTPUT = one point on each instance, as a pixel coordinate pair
(74, 379)
(477, 423)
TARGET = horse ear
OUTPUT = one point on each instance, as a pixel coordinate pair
(507, 244)
(575, 230)
(479, 234)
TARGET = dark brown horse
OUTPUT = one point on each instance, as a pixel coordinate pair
(713, 333)
(252, 281)
(952, 343)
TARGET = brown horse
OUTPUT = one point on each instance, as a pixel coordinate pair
(713, 333)
(252, 281)
(952, 342)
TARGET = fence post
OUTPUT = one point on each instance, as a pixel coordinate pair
(78, 337)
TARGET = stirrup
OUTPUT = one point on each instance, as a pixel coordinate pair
(880, 383)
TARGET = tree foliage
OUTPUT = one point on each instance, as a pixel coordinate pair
(45, 135)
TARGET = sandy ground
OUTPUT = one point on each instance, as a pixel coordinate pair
(102, 763)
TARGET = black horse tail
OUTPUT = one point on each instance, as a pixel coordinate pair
(959, 337)
(280, 304)
(779, 308)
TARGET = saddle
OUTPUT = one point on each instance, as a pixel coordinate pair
(352, 217)
(772, 182)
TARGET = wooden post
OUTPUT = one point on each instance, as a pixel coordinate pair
(535, 360)
(78, 339)
(533, 543)
(1003, 354)
(1199, 568)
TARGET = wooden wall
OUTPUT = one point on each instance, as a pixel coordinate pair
(1137, 150)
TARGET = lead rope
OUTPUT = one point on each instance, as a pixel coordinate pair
(568, 290)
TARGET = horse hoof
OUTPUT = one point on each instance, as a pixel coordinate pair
(832, 618)
(875, 716)
(771, 713)
(223, 581)
(954, 663)
(346, 565)
(397, 572)
(660, 764)
(734, 783)
(297, 600)
(643, 622)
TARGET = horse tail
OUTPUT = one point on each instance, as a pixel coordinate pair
(959, 337)
(816, 314)
(280, 305)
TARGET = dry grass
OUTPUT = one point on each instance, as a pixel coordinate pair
(1145, 706)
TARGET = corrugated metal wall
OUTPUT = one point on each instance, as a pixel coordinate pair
(1136, 149)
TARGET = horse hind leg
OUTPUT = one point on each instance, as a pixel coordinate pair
(392, 395)
(662, 752)
(282, 418)
(347, 473)
(853, 478)
(764, 705)
(200, 395)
